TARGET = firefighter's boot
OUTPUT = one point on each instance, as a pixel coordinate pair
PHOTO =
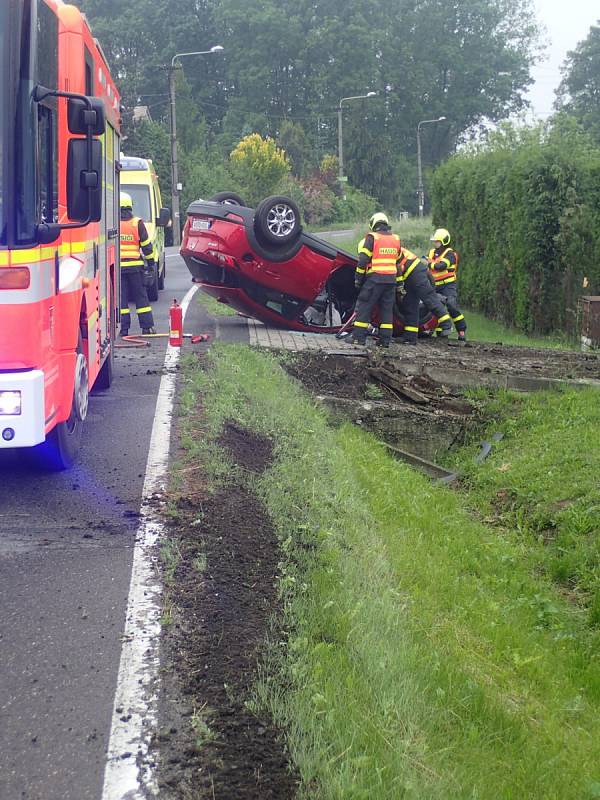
(408, 337)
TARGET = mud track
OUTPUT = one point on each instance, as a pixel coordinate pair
(413, 398)
(221, 597)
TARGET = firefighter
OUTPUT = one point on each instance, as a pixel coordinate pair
(414, 276)
(443, 264)
(375, 280)
(135, 242)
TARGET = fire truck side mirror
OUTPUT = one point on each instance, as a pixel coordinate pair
(83, 120)
(84, 181)
(164, 217)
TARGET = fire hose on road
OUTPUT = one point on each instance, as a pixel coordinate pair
(175, 334)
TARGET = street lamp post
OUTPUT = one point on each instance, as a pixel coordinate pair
(174, 172)
(420, 190)
(340, 146)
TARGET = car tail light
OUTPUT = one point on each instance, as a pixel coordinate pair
(10, 403)
(14, 278)
(223, 258)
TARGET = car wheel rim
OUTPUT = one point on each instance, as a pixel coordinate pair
(281, 220)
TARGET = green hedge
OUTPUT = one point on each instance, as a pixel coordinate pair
(525, 216)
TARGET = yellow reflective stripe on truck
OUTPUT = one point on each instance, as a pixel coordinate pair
(37, 254)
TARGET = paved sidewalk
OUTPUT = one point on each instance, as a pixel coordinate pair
(277, 339)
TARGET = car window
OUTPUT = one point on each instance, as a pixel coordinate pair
(141, 200)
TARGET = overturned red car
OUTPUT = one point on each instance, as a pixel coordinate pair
(261, 263)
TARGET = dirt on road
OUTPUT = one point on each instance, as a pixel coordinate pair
(220, 598)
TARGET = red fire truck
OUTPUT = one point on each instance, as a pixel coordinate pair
(59, 226)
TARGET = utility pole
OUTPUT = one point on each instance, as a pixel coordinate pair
(175, 185)
(341, 176)
(174, 173)
(420, 188)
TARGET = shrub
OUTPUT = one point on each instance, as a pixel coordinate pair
(525, 216)
(259, 166)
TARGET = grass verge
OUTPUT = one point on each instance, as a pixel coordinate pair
(414, 232)
(482, 329)
(213, 307)
(427, 655)
(541, 485)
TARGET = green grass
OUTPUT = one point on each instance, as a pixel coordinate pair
(541, 483)
(482, 329)
(428, 654)
(414, 233)
(213, 306)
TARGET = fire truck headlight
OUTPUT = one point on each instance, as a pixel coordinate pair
(10, 404)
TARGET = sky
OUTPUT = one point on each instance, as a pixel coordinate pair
(567, 22)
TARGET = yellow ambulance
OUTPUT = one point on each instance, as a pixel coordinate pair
(138, 178)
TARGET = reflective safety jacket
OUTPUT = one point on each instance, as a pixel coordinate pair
(134, 238)
(407, 263)
(378, 255)
(443, 265)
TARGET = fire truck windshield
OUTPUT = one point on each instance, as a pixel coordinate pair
(4, 119)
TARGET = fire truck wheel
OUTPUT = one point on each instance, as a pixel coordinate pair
(61, 447)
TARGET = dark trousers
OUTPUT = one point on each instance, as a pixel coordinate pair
(374, 293)
(418, 287)
(134, 291)
(450, 292)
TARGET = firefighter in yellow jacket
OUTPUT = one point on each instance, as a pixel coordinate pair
(443, 265)
(135, 243)
(375, 278)
(413, 276)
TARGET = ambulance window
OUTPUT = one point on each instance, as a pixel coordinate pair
(140, 194)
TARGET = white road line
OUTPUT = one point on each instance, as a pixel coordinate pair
(129, 773)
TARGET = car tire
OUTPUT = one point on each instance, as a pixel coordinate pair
(162, 274)
(269, 252)
(153, 290)
(227, 198)
(277, 221)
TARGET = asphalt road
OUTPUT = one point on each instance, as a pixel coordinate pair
(66, 544)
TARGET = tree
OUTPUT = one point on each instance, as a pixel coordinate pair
(296, 144)
(579, 91)
(259, 165)
(151, 140)
(288, 63)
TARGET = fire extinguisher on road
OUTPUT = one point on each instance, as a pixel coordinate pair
(175, 325)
